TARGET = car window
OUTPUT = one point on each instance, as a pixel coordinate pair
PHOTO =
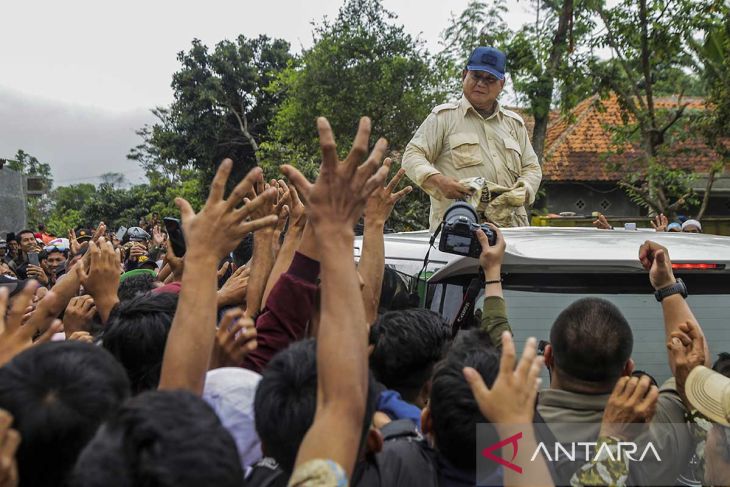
(532, 312)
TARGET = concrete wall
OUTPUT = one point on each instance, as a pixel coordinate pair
(12, 202)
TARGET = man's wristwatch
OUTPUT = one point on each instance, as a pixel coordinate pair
(677, 288)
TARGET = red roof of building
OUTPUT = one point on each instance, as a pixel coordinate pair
(579, 146)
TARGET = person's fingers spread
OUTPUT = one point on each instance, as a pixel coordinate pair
(254, 225)
(327, 146)
(265, 199)
(297, 179)
(507, 362)
(218, 186)
(376, 181)
(359, 150)
(243, 188)
(186, 211)
(528, 355)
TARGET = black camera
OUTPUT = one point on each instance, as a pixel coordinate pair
(457, 231)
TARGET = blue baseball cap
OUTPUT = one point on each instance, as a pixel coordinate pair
(487, 59)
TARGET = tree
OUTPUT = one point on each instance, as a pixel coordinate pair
(648, 38)
(222, 109)
(714, 123)
(361, 63)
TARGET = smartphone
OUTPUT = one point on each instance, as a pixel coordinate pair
(33, 259)
(121, 233)
(174, 231)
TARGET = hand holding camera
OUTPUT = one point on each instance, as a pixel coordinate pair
(458, 232)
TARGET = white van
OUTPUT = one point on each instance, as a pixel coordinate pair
(545, 269)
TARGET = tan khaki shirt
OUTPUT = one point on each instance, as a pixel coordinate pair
(456, 141)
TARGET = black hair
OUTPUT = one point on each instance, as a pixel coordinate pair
(136, 285)
(454, 411)
(46, 253)
(722, 364)
(59, 393)
(395, 291)
(136, 336)
(591, 341)
(407, 344)
(286, 401)
(19, 235)
(160, 438)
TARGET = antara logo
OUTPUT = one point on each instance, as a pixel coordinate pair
(590, 451)
(487, 452)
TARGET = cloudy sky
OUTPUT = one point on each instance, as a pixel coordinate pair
(78, 77)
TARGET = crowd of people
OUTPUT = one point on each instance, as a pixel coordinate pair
(262, 357)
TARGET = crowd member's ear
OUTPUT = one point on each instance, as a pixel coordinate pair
(549, 358)
(374, 441)
(426, 424)
(629, 367)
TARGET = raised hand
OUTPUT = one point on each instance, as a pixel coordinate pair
(14, 335)
(101, 280)
(655, 259)
(235, 338)
(381, 203)
(9, 441)
(511, 399)
(632, 401)
(79, 313)
(233, 291)
(73, 242)
(223, 217)
(158, 238)
(660, 223)
(687, 348)
(337, 198)
(601, 223)
(491, 257)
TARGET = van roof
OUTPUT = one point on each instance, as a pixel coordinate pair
(561, 249)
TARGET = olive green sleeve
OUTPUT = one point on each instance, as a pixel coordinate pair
(494, 319)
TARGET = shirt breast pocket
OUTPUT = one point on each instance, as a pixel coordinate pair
(465, 151)
(513, 153)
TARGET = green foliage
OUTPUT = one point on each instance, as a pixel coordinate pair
(652, 46)
(362, 63)
(222, 109)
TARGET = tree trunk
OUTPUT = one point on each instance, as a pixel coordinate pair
(557, 51)
(708, 192)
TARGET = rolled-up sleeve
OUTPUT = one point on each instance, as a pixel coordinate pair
(423, 151)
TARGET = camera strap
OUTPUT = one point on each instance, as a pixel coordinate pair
(466, 310)
(414, 282)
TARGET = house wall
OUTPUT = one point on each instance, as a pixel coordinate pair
(584, 199)
(12, 201)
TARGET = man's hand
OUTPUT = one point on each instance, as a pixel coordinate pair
(73, 242)
(337, 199)
(660, 223)
(37, 273)
(491, 257)
(101, 281)
(14, 335)
(381, 203)
(235, 338)
(81, 336)
(632, 401)
(9, 441)
(234, 289)
(79, 313)
(177, 264)
(158, 238)
(297, 211)
(449, 187)
(222, 217)
(601, 223)
(687, 347)
(655, 259)
(511, 400)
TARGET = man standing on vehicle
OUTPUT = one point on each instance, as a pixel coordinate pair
(474, 138)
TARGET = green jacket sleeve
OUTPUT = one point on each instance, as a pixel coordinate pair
(494, 320)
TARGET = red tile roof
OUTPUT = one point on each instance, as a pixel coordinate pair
(579, 147)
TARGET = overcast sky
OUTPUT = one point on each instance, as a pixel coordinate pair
(78, 77)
